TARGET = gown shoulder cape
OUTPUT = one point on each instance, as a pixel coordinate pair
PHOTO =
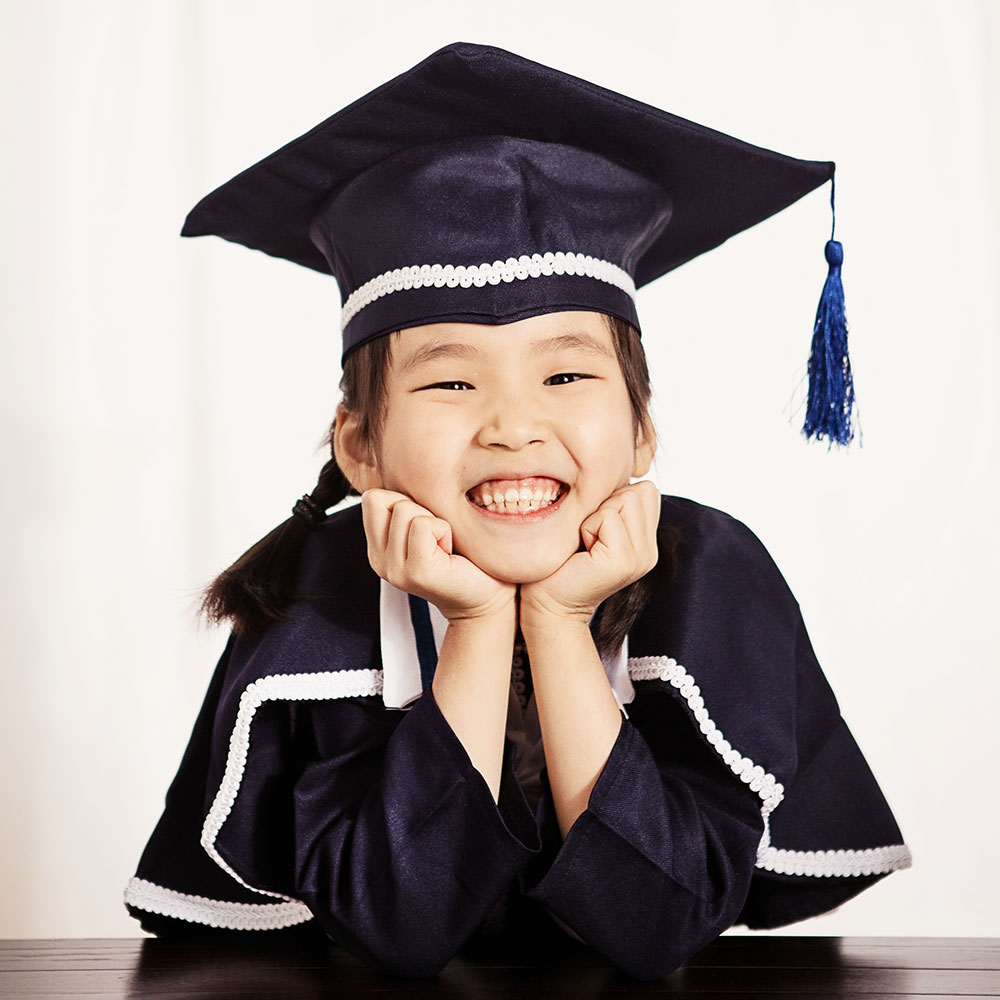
(734, 793)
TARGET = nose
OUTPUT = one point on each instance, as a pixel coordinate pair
(512, 423)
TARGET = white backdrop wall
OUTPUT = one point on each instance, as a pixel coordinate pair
(163, 400)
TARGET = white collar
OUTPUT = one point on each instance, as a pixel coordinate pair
(401, 667)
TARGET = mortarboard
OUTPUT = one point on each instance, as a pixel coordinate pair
(482, 187)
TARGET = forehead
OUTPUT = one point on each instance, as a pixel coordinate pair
(536, 336)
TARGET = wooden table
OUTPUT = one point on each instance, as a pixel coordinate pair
(743, 967)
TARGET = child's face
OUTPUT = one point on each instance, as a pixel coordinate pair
(539, 407)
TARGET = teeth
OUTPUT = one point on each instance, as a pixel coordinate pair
(524, 499)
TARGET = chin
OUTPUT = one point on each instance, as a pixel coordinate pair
(513, 570)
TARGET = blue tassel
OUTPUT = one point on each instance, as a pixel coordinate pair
(829, 412)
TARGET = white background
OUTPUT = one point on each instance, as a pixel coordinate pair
(163, 400)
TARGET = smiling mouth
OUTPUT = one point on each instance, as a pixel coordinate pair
(517, 496)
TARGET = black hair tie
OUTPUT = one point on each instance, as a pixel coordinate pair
(309, 511)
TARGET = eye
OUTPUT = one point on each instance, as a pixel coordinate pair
(565, 378)
(451, 386)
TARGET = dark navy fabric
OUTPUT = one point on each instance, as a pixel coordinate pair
(378, 822)
(477, 155)
(423, 633)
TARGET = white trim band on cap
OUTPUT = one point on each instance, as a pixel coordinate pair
(538, 265)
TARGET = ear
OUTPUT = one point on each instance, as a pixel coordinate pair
(645, 448)
(355, 456)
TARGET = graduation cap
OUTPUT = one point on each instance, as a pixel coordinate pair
(482, 187)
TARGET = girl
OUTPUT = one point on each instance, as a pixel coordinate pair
(514, 690)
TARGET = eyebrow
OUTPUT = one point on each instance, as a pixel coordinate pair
(571, 341)
(468, 352)
(444, 349)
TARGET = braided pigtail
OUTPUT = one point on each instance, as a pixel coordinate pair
(259, 586)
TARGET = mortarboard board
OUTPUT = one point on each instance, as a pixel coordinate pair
(483, 187)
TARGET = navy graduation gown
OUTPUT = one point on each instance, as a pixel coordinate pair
(733, 794)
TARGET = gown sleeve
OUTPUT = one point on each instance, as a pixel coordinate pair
(660, 862)
(302, 799)
(399, 848)
(735, 792)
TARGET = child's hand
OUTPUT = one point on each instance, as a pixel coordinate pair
(412, 549)
(619, 541)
